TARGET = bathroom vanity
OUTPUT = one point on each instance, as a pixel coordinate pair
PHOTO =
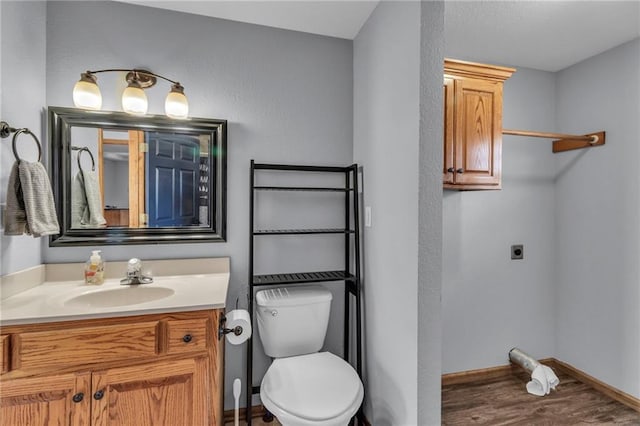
(77, 355)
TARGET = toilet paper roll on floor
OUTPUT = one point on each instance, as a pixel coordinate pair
(238, 318)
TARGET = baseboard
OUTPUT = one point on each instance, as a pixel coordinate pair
(482, 374)
(613, 393)
(506, 370)
(258, 411)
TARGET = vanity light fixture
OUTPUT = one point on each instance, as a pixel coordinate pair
(86, 93)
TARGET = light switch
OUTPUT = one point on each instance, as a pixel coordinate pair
(367, 216)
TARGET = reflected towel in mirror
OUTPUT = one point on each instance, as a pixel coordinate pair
(86, 201)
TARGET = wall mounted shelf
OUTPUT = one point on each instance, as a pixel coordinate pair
(302, 277)
(302, 231)
(300, 188)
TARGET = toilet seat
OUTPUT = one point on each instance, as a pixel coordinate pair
(314, 389)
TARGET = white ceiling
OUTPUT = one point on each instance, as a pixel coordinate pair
(546, 35)
(337, 18)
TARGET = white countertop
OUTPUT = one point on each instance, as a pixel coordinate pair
(54, 301)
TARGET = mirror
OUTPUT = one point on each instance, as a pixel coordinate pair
(125, 179)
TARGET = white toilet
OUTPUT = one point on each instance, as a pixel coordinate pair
(304, 387)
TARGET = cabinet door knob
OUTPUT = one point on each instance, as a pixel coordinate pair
(451, 170)
(98, 395)
(187, 338)
(78, 397)
(460, 170)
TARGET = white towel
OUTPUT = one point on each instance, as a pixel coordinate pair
(543, 379)
(538, 385)
(30, 206)
(552, 379)
(86, 201)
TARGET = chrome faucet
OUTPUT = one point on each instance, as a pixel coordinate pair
(134, 274)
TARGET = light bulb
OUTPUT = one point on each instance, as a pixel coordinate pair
(176, 104)
(134, 100)
(86, 93)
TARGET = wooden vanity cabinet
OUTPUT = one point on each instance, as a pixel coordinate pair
(473, 125)
(164, 369)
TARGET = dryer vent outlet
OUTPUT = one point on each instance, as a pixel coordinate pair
(517, 251)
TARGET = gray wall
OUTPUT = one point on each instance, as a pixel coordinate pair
(430, 213)
(287, 96)
(117, 179)
(392, 96)
(386, 111)
(22, 98)
(597, 210)
(491, 303)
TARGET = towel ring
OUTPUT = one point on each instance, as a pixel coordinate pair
(6, 130)
(80, 151)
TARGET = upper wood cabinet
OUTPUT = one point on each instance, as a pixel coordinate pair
(473, 125)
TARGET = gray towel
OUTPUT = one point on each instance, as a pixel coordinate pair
(30, 207)
(86, 201)
(15, 216)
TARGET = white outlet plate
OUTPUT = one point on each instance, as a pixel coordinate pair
(367, 216)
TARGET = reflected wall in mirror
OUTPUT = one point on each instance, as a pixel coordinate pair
(122, 179)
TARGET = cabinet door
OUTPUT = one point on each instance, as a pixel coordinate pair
(168, 393)
(478, 132)
(448, 166)
(52, 400)
(4, 354)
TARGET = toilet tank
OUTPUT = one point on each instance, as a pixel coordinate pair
(293, 321)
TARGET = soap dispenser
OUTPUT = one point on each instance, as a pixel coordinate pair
(94, 269)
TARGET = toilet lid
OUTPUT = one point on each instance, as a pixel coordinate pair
(316, 386)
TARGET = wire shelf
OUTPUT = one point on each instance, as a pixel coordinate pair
(302, 277)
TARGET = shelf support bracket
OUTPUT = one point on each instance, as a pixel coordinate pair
(566, 144)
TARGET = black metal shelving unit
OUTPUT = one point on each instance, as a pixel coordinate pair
(350, 275)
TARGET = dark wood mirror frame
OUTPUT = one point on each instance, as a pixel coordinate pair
(61, 120)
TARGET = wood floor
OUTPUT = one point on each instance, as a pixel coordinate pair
(256, 422)
(505, 401)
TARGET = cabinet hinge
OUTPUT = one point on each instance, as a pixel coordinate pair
(143, 147)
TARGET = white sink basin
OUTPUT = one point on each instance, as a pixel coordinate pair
(122, 296)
